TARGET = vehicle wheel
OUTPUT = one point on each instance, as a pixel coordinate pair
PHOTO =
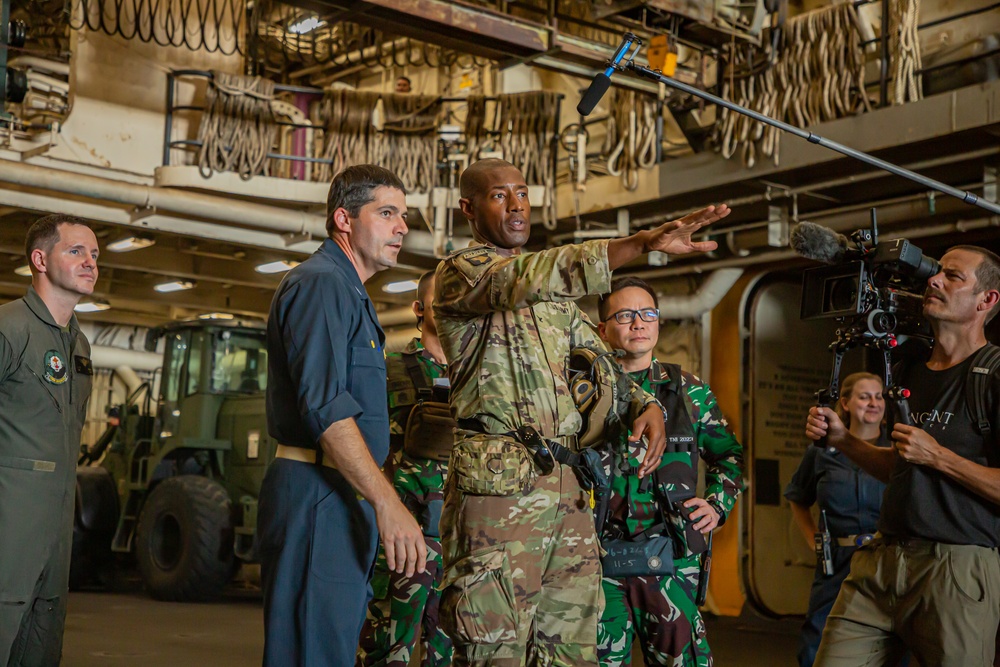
(184, 544)
(94, 522)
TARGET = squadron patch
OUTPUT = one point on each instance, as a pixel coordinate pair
(55, 368)
(473, 263)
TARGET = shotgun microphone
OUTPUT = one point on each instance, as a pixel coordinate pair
(602, 81)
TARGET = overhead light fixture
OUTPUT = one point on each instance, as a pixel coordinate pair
(215, 316)
(23, 270)
(306, 25)
(173, 286)
(276, 267)
(400, 287)
(130, 243)
(92, 306)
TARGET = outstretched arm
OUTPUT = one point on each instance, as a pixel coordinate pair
(672, 238)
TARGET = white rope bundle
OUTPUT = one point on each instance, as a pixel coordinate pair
(817, 75)
(408, 144)
(630, 140)
(237, 129)
(904, 47)
(476, 134)
(528, 123)
(347, 118)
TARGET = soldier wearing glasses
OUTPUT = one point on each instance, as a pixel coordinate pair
(660, 609)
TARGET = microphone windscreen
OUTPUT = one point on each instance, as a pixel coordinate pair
(817, 242)
(598, 87)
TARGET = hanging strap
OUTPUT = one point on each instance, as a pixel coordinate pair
(417, 377)
(984, 364)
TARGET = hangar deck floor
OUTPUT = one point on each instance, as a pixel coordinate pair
(129, 628)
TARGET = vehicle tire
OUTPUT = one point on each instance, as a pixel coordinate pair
(184, 544)
(94, 522)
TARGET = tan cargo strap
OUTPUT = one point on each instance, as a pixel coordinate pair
(303, 455)
(855, 540)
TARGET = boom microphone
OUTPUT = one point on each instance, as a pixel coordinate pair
(602, 81)
(598, 87)
(814, 241)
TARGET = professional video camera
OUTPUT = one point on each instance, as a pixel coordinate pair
(874, 288)
(879, 282)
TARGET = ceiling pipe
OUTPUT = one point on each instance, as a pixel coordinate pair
(104, 356)
(706, 297)
(129, 377)
(193, 204)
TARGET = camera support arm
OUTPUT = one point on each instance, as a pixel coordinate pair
(860, 333)
(811, 137)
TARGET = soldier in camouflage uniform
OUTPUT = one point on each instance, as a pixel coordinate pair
(661, 610)
(403, 606)
(521, 566)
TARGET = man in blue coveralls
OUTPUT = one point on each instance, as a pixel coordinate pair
(324, 500)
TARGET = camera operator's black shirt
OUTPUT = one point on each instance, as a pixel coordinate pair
(923, 503)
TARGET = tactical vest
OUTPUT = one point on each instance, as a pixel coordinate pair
(430, 428)
(677, 482)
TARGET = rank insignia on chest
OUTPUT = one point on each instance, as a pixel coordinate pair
(55, 367)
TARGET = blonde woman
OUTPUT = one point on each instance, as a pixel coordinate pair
(850, 497)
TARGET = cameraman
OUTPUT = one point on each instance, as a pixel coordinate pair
(930, 581)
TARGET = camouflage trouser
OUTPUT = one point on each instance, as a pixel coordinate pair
(661, 612)
(522, 583)
(403, 606)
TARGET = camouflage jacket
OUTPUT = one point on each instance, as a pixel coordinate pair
(402, 395)
(634, 505)
(507, 325)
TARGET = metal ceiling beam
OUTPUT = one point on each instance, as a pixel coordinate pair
(467, 29)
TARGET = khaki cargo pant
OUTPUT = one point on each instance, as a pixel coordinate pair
(522, 577)
(940, 601)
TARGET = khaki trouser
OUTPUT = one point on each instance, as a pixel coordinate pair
(940, 601)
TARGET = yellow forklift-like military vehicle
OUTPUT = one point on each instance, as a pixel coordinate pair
(174, 480)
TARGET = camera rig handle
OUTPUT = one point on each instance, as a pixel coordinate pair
(861, 333)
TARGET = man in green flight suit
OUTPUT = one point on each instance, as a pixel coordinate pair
(658, 608)
(402, 606)
(521, 566)
(45, 381)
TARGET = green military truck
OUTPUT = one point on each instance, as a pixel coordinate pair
(174, 480)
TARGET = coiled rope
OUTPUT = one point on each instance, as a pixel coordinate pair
(476, 133)
(904, 47)
(237, 129)
(630, 140)
(349, 134)
(408, 143)
(816, 75)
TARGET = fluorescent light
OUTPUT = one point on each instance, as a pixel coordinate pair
(400, 287)
(174, 286)
(276, 267)
(130, 243)
(305, 25)
(94, 306)
(23, 270)
(215, 316)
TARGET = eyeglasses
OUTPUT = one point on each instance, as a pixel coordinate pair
(628, 316)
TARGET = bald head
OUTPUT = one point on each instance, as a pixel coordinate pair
(476, 177)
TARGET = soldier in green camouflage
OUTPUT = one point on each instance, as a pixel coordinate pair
(521, 566)
(661, 610)
(404, 608)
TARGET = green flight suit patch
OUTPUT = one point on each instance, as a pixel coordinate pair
(55, 367)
